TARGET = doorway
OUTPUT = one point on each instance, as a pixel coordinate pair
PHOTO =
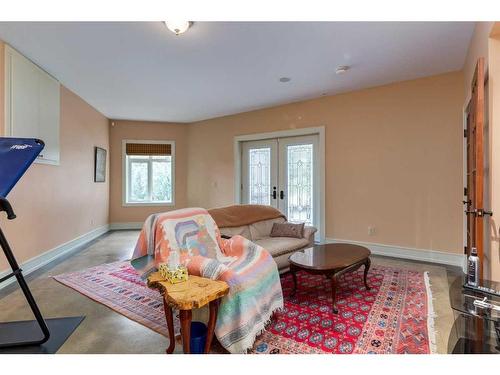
(283, 172)
(475, 199)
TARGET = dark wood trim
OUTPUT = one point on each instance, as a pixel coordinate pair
(478, 93)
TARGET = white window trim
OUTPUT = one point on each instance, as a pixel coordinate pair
(125, 174)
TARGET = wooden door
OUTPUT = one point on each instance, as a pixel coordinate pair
(475, 166)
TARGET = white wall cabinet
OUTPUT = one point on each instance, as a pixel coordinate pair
(32, 104)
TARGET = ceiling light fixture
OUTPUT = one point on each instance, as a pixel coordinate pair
(341, 69)
(178, 27)
(285, 79)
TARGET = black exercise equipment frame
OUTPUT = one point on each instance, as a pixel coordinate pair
(17, 272)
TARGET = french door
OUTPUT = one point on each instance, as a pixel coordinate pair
(283, 173)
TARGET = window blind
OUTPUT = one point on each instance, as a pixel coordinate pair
(148, 149)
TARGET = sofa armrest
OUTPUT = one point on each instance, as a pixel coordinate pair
(309, 233)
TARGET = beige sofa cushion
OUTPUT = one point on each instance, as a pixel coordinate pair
(243, 231)
(281, 245)
(262, 229)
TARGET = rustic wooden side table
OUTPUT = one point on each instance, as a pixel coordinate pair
(192, 294)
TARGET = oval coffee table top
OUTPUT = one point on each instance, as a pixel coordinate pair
(329, 256)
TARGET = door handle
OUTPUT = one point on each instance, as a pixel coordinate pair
(274, 192)
(282, 194)
(482, 212)
(479, 212)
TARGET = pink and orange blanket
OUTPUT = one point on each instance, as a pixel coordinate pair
(251, 273)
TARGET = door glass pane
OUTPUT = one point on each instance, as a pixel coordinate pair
(300, 183)
(138, 181)
(259, 176)
(162, 186)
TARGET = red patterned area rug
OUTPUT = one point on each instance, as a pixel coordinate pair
(394, 316)
(119, 287)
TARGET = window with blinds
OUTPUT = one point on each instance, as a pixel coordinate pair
(148, 149)
(149, 173)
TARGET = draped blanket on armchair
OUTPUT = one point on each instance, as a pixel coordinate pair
(255, 289)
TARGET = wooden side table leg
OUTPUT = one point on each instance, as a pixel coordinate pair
(367, 268)
(334, 292)
(293, 271)
(186, 316)
(170, 325)
(214, 308)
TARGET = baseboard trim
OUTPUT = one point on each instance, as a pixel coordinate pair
(49, 256)
(126, 226)
(423, 255)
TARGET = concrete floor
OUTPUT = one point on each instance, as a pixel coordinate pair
(105, 331)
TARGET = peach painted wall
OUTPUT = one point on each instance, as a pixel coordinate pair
(393, 160)
(56, 204)
(142, 130)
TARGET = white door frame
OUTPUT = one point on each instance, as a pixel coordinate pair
(319, 130)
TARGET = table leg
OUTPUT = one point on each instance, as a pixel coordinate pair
(214, 308)
(293, 271)
(170, 326)
(185, 316)
(496, 324)
(368, 262)
(333, 279)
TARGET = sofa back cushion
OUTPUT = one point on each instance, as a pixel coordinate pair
(243, 231)
(262, 229)
(243, 214)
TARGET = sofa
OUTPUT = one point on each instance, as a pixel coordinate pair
(255, 223)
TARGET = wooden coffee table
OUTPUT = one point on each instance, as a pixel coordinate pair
(331, 260)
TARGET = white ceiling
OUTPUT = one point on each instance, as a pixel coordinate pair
(142, 71)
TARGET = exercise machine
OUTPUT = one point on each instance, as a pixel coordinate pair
(39, 335)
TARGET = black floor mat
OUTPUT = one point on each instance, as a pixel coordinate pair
(60, 330)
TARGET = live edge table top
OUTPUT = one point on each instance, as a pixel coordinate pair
(191, 294)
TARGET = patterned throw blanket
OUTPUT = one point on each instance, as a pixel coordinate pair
(251, 273)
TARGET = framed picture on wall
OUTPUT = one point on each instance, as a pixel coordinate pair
(100, 165)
